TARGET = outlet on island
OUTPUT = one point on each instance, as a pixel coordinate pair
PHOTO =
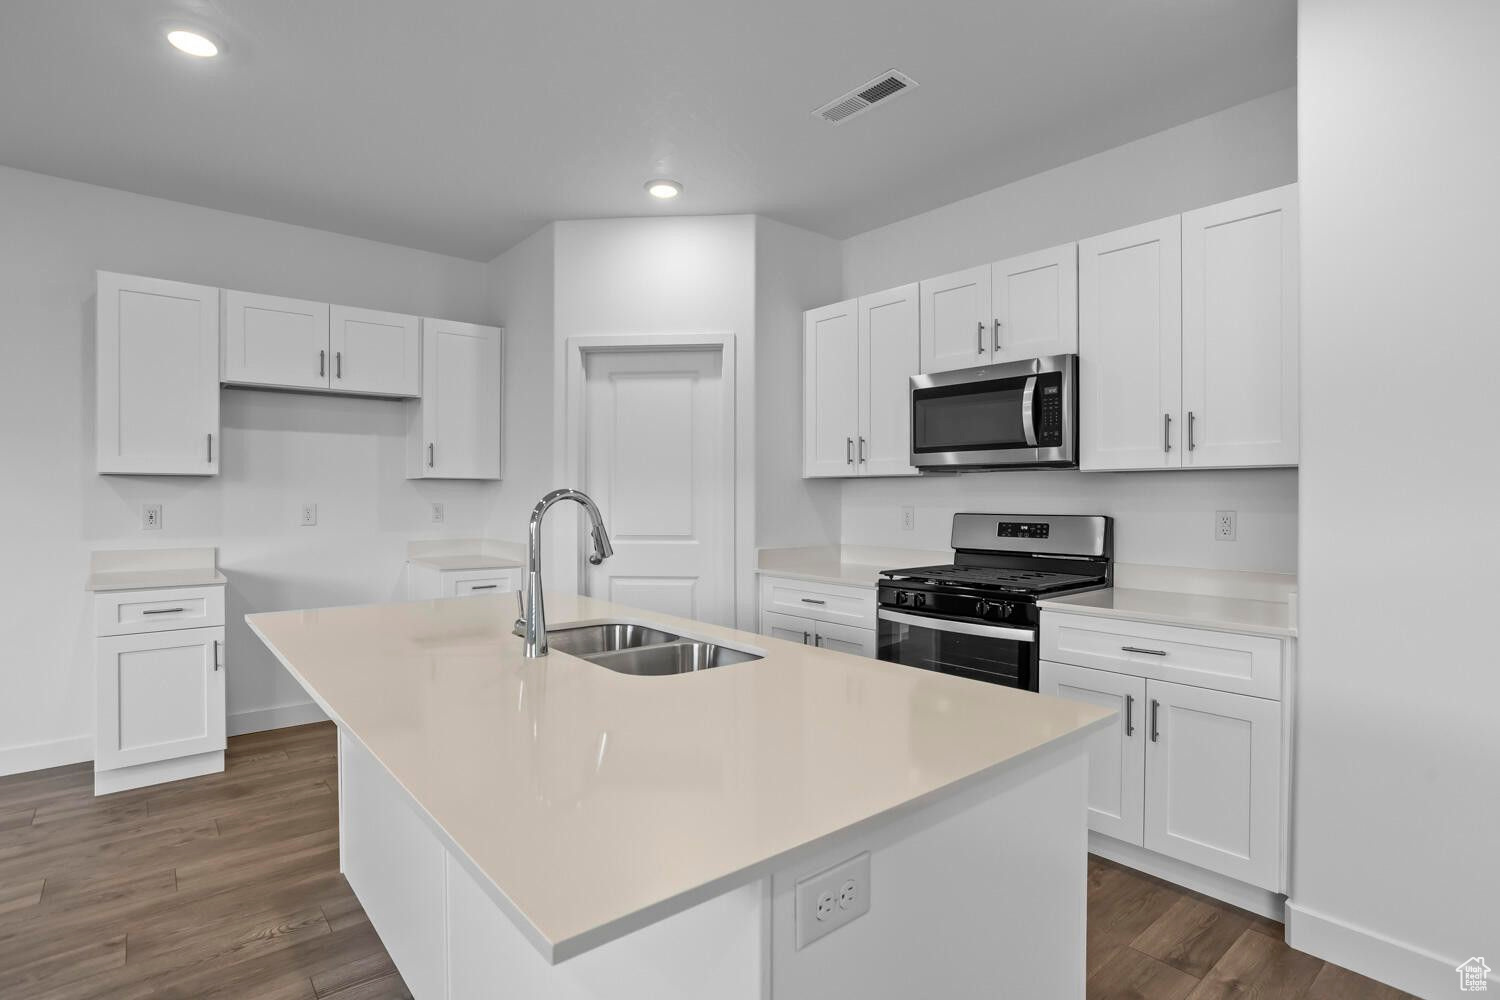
(831, 898)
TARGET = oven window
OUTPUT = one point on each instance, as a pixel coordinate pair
(983, 658)
(979, 416)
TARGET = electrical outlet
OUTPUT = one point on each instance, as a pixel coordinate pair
(151, 517)
(437, 513)
(908, 517)
(309, 515)
(832, 898)
(1225, 525)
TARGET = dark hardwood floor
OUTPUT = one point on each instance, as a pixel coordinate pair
(228, 886)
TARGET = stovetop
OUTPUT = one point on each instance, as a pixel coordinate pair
(1007, 579)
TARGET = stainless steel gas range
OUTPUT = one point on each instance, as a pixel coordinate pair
(977, 617)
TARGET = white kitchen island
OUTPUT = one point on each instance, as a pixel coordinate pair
(550, 828)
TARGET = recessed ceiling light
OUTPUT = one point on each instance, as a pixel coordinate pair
(663, 188)
(192, 43)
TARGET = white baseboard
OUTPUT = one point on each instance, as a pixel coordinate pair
(1220, 887)
(38, 756)
(258, 720)
(1397, 963)
(158, 772)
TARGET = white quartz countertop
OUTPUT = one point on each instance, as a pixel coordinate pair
(850, 566)
(595, 803)
(1225, 614)
(154, 579)
(477, 560)
(153, 569)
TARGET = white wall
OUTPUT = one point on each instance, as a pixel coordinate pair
(660, 275)
(1395, 866)
(1162, 518)
(795, 270)
(278, 450)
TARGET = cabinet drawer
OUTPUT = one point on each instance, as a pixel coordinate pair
(479, 584)
(127, 612)
(819, 601)
(1224, 661)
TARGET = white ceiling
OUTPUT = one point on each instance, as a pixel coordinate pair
(461, 126)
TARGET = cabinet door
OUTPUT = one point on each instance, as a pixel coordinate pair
(378, 353)
(158, 376)
(159, 695)
(269, 340)
(830, 390)
(845, 639)
(889, 355)
(1117, 753)
(1240, 331)
(1213, 780)
(1036, 305)
(1130, 348)
(454, 430)
(955, 319)
(788, 627)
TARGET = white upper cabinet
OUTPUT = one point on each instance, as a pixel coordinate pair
(453, 431)
(955, 320)
(270, 340)
(1130, 348)
(158, 376)
(830, 389)
(1240, 331)
(1036, 305)
(376, 353)
(889, 355)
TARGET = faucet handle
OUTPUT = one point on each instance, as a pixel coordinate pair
(520, 627)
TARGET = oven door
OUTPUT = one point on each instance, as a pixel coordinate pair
(995, 654)
(1014, 414)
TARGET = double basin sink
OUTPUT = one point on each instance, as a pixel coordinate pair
(641, 650)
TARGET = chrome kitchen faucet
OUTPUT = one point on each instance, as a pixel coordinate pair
(533, 621)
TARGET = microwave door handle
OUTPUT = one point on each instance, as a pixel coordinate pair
(1028, 411)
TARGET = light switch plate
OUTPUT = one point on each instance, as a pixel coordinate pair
(437, 513)
(832, 898)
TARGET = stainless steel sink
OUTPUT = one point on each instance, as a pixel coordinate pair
(585, 640)
(680, 657)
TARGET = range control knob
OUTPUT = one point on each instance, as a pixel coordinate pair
(919, 600)
(902, 597)
(983, 608)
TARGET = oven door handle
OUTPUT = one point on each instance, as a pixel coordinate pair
(963, 628)
(1028, 411)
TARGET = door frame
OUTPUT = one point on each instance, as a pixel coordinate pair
(575, 408)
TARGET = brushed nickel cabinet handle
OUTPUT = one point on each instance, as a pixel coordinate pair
(1130, 715)
(1166, 432)
(484, 586)
(338, 364)
(981, 336)
(812, 600)
(861, 449)
(818, 641)
(162, 611)
(217, 664)
(210, 447)
(995, 333)
(806, 636)
(1138, 649)
(1155, 711)
(1191, 421)
(849, 450)
(322, 363)
(429, 455)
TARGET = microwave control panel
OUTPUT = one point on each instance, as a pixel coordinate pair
(1048, 408)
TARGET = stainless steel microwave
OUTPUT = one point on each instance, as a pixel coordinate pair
(1023, 414)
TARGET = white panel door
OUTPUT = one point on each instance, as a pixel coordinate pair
(1117, 753)
(453, 432)
(788, 627)
(1213, 780)
(955, 319)
(889, 355)
(830, 390)
(1240, 331)
(159, 695)
(1036, 305)
(158, 376)
(1130, 348)
(845, 639)
(659, 462)
(270, 340)
(375, 352)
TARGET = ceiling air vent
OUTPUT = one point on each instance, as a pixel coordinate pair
(862, 98)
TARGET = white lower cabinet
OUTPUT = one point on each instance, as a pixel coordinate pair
(1213, 781)
(158, 689)
(826, 635)
(1186, 771)
(1117, 759)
